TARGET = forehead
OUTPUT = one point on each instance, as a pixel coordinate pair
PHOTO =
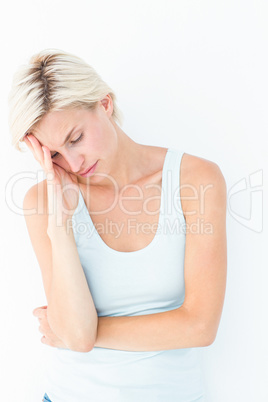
(58, 121)
(52, 129)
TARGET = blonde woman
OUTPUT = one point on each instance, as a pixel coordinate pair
(130, 239)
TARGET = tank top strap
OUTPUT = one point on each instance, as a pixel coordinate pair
(171, 207)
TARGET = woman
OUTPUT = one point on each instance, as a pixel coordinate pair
(130, 239)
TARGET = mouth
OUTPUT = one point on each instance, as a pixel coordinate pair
(88, 171)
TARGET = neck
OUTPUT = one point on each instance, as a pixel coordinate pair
(126, 166)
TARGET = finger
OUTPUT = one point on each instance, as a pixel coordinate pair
(40, 153)
(41, 316)
(37, 149)
(50, 177)
(48, 163)
(28, 143)
(45, 341)
(48, 341)
(37, 310)
(31, 148)
(43, 307)
(45, 330)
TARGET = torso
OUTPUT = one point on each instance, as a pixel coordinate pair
(130, 225)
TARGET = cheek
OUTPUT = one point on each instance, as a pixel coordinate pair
(61, 163)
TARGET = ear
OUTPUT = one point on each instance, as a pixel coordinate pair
(107, 103)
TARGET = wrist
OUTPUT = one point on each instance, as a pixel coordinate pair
(63, 229)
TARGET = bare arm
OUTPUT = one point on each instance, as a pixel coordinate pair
(71, 312)
(172, 329)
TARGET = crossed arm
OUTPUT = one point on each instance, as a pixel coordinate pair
(196, 322)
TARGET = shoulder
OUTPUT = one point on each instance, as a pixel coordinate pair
(35, 200)
(196, 168)
(200, 178)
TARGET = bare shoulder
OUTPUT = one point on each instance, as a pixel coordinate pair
(193, 166)
(36, 195)
(198, 176)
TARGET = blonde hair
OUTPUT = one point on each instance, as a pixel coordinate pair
(53, 80)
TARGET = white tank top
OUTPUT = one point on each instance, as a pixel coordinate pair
(146, 281)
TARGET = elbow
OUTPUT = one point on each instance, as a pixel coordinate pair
(85, 343)
(203, 331)
(206, 336)
(87, 346)
(87, 338)
(83, 348)
(81, 345)
(76, 340)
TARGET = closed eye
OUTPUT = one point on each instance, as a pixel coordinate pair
(72, 142)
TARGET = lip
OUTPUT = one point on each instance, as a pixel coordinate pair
(90, 171)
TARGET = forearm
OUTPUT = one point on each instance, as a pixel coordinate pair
(71, 311)
(173, 329)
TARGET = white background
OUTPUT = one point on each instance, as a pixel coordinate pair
(190, 75)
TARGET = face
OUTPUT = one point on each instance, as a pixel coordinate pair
(93, 139)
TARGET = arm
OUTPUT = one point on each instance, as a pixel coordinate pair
(69, 293)
(71, 312)
(195, 323)
(172, 329)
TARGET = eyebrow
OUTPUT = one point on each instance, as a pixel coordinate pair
(68, 136)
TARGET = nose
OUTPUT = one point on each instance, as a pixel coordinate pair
(75, 162)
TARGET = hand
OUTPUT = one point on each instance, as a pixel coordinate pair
(49, 337)
(62, 187)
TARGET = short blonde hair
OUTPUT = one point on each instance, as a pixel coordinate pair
(53, 80)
